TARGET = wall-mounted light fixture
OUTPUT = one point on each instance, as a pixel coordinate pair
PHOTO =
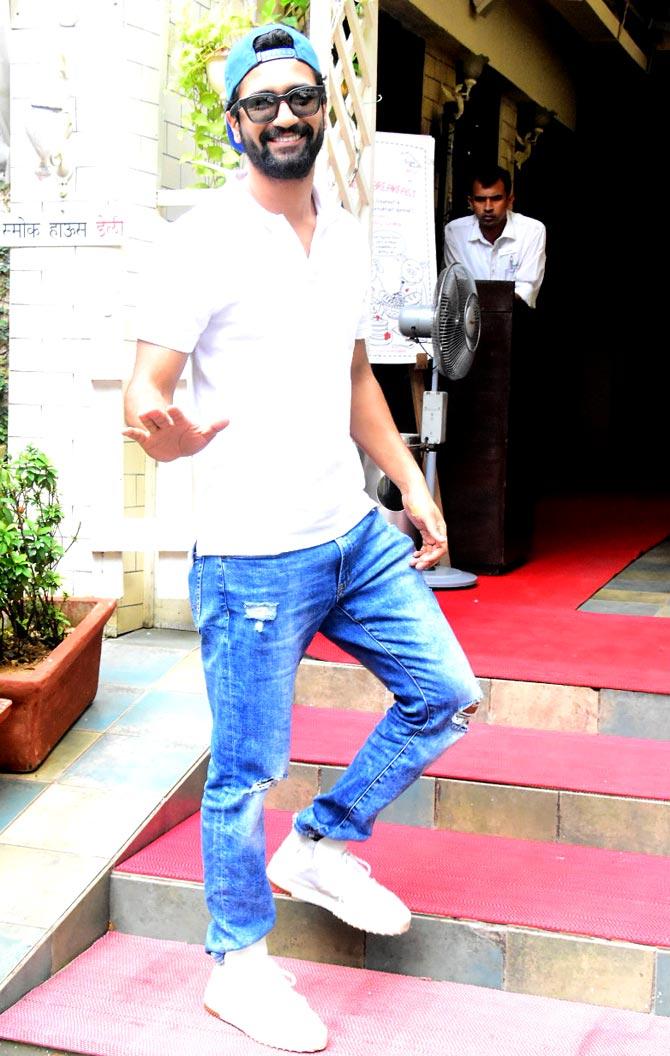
(540, 120)
(48, 125)
(471, 68)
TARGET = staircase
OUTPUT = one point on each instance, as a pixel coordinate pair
(536, 865)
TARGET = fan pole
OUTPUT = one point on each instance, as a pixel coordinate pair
(442, 576)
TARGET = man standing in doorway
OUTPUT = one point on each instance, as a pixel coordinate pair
(264, 288)
(496, 243)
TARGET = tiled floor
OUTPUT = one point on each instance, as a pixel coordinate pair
(62, 825)
(641, 589)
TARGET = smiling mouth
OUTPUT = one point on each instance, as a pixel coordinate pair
(288, 140)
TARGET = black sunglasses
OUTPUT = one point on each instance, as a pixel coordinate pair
(303, 101)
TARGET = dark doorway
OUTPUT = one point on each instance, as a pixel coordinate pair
(399, 77)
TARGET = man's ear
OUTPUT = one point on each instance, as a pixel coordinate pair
(510, 200)
(233, 128)
(470, 206)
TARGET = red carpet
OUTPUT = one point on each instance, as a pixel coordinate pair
(504, 755)
(555, 887)
(525, 626)
(130, 996)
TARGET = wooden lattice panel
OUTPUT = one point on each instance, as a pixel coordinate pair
(345, 36)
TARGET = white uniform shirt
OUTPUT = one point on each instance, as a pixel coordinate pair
(271, 335)
(517, 255)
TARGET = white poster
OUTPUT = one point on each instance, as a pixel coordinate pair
(404, 269)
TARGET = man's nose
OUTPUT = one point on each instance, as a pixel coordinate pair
(284, 115)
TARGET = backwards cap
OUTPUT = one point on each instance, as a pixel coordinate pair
(242, 58)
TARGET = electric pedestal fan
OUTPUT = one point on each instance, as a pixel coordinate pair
(453, 324)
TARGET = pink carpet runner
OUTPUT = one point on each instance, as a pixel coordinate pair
(130, 996)
(555, 887)
(506, 755)
(525, 626)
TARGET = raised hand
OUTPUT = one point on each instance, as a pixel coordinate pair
(169, 434)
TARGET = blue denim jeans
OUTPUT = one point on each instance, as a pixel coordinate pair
(256, 616)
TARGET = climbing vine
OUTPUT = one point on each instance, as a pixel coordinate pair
(199, 41)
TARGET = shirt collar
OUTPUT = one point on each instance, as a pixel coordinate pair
(509, 231)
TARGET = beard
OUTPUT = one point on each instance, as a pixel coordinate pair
(294, 167)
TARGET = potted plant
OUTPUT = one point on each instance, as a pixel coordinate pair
(49, 644)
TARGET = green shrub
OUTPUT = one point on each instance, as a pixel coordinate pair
(31, 622)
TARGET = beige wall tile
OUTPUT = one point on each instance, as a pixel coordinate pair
(524, 813)
(542, 706)
(311, 933)
(609, 821)
(297, 791)
(599, 973)
(324, 685)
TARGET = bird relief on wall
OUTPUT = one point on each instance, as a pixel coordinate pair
(403, 240)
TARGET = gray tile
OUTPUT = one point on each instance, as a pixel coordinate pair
(109, 704)
(415, 806)
(16, 940)
(162, 637)
(619, 608)
(440, 949)
(38, 886)
(662, 996)
(181, 804)
(15, 795)
(656, 580)
(629, 714)
(127, 665)
(158, 909)
(181, 718)
(36, 970)
(139, 763)
(88, 921)
(86, 821)
(15, 1048)
(313, 934)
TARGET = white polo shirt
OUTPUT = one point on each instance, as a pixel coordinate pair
(517, 255)
(271, 335)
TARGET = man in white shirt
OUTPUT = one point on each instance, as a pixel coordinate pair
(264, 289)
(496, 243)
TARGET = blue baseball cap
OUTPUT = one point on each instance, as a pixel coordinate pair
(242, 58)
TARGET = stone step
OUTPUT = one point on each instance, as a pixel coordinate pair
(598, 790)
(579, 923)
(143, 997)
(535, 705)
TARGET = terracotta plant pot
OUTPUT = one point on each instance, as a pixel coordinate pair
(48, 698)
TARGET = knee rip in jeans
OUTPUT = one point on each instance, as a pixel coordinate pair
(264, 785)
(463, 715)
(261, 612)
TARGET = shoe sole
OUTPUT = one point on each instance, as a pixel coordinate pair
(263, 1041)
(318, 898)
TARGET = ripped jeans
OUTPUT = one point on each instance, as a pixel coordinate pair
(256, 616)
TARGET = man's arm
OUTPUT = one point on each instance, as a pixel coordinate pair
(451, 255)
(530, 272)
(159, 427)
(373, 428)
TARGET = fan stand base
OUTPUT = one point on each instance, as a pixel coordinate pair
(442, 577)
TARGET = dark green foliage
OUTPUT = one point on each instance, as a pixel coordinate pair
(30, 517)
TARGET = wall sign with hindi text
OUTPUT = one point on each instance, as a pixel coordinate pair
(79, 229)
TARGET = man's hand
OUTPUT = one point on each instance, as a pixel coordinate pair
(168, 434)
(425, 515)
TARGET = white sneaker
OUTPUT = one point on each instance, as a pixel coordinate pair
(325, 873)
(257, 997)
